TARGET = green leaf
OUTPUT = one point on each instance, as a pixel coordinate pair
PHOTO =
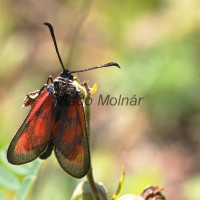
(2, 197)
(35, 166)
(8, 180)
(29, 180)
(120, 186)
(25, 188)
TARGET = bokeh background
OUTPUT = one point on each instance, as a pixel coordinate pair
(157, 43)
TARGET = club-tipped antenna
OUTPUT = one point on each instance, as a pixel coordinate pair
(99, 66)
(54, 41)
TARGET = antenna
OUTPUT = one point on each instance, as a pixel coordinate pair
(54, 41)
(100, 66)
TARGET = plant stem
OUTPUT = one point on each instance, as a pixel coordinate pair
(90, 177)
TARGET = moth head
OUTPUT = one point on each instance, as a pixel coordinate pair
(66, 74)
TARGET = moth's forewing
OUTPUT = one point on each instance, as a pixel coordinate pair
(71, 140)
(33, 136)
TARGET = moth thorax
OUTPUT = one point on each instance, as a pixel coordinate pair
(64, 90)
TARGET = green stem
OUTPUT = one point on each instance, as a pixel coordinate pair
(93, 187)
(90, 176)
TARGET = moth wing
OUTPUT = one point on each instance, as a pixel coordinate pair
(33, 136)
(71, 140)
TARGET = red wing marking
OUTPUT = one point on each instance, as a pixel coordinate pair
(79, 129)
(55, 129)
(40, 125)
(69, 134)
(73, 126)
(22, 145)
(81, 114)
(72, 110)
(38, 104)
(77, 156)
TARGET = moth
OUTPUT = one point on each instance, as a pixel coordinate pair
(55, 123)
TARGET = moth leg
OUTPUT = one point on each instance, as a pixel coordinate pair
(49, 80)
(43, 87)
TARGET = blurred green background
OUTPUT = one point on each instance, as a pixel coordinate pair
(157, 43)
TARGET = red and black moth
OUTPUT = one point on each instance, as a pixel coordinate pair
(55, 123)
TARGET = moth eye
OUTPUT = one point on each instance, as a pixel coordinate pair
(71, 77)
(61, 74)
